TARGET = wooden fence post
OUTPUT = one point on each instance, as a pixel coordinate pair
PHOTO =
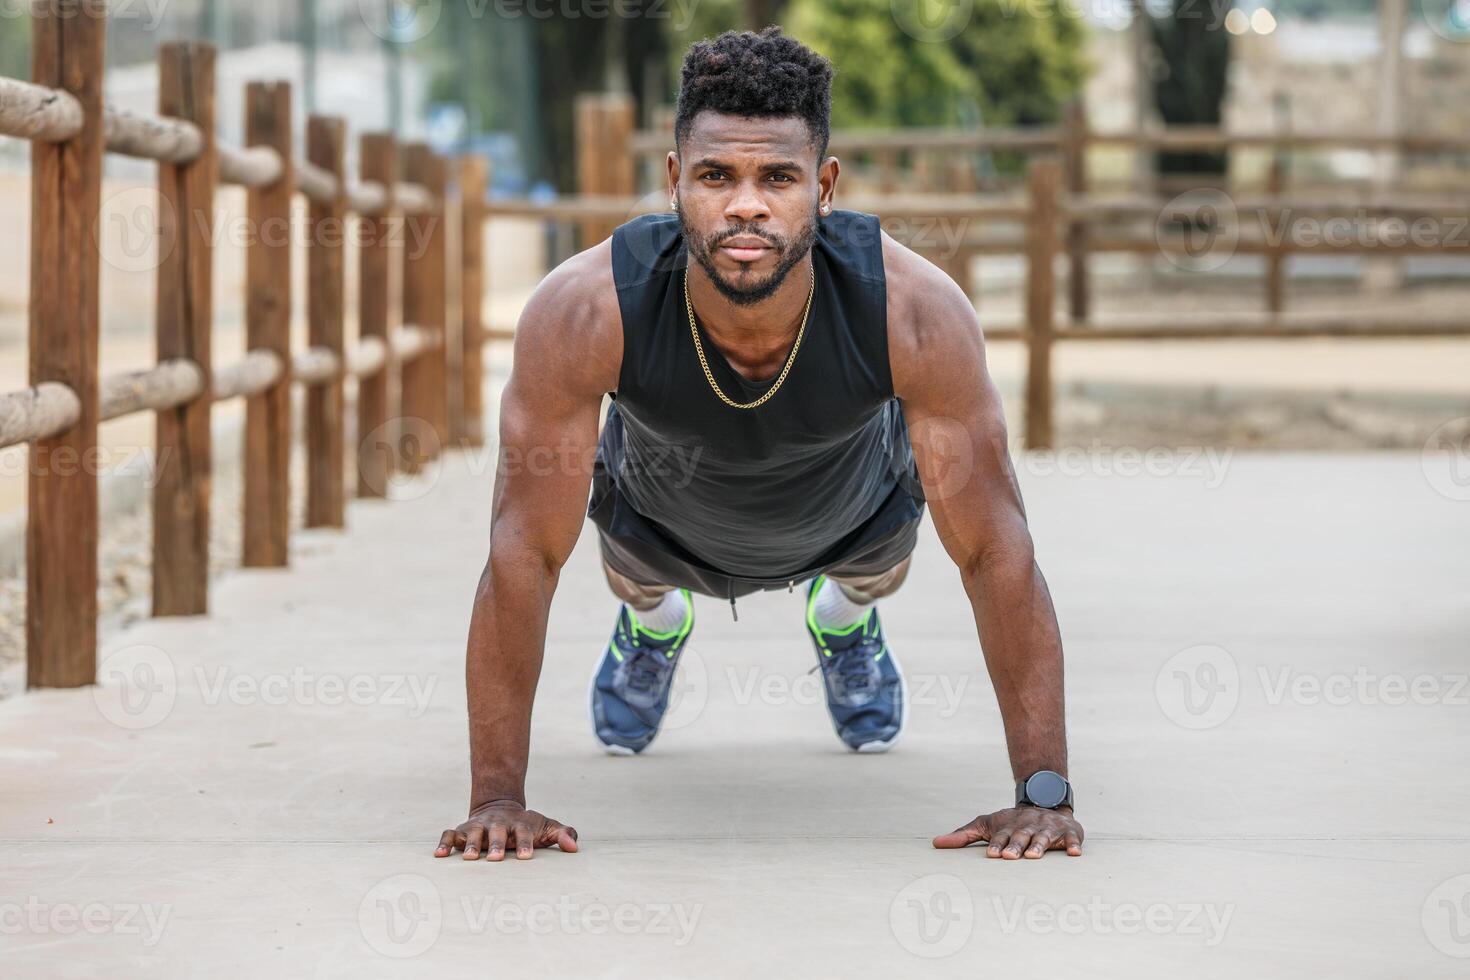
(181, 495)
(376, 437)
(267, 458)
(1044, 179)
(1276, 257)
(424, 405)
(605, 164)
(326, 139)
(1074, 149)
(473, 178)
(67, 52)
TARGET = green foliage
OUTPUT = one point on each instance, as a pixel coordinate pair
(15, 45)
(1015, 61)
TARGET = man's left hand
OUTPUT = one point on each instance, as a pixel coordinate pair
(1022, 831)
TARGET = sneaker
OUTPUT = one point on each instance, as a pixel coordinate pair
(630, 688)
(864, 686)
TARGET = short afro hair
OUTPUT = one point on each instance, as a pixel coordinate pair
(744, 73)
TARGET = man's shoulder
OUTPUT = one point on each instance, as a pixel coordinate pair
(574, 310)
(928, 312)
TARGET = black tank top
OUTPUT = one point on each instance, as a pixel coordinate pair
(762, 494)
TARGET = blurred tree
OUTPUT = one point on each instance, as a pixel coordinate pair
(522, 74)
(1194, 56)
(924, 62)
(15, 45)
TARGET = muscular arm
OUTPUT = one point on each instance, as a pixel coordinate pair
(958, 431)
(568, 352)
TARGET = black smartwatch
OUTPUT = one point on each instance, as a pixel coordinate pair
(1045, 789)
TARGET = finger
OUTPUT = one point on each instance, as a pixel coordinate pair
(525, 841)
(1040, 844)
(971, 832)
(1017, 844)
(474, 842)
(1074, 843)
(448, 841)
(998, 840)
(497, 841)
(554, 834)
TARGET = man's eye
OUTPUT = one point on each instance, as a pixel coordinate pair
(713, 174)
(785, 177)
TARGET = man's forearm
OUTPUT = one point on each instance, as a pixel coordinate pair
(502, 666)
(1023, 653)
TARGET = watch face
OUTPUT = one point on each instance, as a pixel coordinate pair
(1046, 789)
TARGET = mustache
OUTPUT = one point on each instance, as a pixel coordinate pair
(778, 244)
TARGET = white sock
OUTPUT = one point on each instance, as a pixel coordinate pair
(665, 617)
(835, 608)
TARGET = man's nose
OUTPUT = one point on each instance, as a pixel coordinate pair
(746, 204)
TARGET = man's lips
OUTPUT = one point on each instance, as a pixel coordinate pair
(744, 250)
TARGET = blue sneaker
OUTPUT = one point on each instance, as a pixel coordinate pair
(864, 686)
(630, 688)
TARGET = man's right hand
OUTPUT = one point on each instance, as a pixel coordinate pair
(494, 825)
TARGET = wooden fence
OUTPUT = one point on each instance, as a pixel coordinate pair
(413, 357)
(615, 158)
(1056, 217)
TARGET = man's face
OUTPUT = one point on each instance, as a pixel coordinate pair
(748, 193)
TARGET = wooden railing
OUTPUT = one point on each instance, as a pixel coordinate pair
(436, 364)
(615, 158)
(1056, 216)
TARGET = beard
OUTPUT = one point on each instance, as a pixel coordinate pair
(789, 251)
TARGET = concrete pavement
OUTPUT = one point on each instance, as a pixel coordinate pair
(1269, 720)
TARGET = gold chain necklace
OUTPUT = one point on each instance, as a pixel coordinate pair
(790, 358)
